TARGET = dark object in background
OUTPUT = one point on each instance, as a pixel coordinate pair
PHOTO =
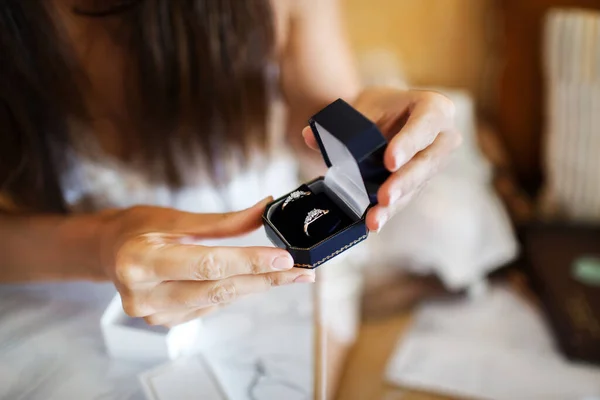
(563, 262)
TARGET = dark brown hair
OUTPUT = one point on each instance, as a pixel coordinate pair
(197, 84)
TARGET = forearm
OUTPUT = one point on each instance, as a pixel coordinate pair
(49, 248)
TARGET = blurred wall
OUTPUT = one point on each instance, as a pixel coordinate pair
(439, 42)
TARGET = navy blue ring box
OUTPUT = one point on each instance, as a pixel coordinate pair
(353, 149)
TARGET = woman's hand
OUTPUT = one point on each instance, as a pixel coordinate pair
(419, 126)
(163, 278)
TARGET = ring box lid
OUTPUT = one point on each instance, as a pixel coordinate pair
(352, 147)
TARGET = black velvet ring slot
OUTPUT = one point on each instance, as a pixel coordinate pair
(290, 220)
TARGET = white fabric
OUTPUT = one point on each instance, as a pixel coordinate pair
(110, 184)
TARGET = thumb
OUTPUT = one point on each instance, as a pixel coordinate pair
(309, 138)
(221, 225)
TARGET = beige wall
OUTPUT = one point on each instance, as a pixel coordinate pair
(440, 42)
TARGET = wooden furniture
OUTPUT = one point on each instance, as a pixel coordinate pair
(520, 109)
(363, 377)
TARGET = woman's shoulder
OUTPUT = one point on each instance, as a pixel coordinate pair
(285, 12)
(282, 15)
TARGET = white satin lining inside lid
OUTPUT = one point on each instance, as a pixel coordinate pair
(344, 176)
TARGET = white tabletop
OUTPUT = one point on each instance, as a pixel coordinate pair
(51, 345)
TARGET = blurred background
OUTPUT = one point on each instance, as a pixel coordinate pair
(486, 286)
(496, 291)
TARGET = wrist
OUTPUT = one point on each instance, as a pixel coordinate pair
(50, 248)
(83, 234)
(106, 233)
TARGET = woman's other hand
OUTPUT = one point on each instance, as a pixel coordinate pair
(161, 277)
(419, 126)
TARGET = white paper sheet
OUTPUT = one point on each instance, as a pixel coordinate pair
(189, 378)
(495, 347)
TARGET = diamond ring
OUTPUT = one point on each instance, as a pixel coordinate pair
(294, 196)
(312, 216)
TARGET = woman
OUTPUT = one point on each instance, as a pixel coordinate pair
(174, 95)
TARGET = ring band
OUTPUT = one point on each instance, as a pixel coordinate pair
(312, 216)
(298, 194)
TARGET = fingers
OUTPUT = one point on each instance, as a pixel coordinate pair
(200, 263)
(379, 215)
(221, 225)
(204, 294)
(190, 316)
(419, 170)
(152, 258)
(403, 184)
(309, 138)
(431, 114)
(166, 220)
(174, 318)
(180, 295)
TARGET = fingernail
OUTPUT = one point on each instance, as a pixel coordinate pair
(381, 221)
(266, 200)
(399, 161)
(395, 196)
(283, 263)
(305, 279)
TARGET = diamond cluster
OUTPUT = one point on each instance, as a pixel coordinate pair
(294, 196)
(314, 215)
(297, 194)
